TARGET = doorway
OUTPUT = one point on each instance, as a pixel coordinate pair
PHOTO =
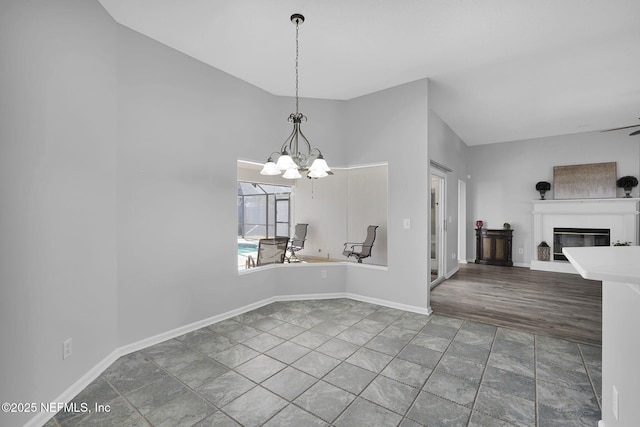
(462, 222)
(438, 226)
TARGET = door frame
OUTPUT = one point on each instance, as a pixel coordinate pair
(462, 221)
(441, 224)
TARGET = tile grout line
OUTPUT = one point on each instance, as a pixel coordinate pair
(236, 342)
(573, 387)
(289, 402)
(535, 379)
(127, 400)
(484, 370)
(403, 416)
(218, 408)
(290, 365)
(432, 371)
(588, 371)
(377, 373)
(321, 378)
(191, 388)
(275, 373)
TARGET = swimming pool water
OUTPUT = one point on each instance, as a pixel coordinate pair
(246, 248)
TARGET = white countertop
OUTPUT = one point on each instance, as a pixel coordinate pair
(606, 263)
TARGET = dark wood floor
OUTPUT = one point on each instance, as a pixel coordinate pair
(554, 304)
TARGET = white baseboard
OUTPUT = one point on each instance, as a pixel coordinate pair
(412, 308)
(355, 264)
(306, 297)
(164, 336)
(452, 272)
(522, 264)
(515, 264)
(42, 417)
(553, 266)
(157, 339)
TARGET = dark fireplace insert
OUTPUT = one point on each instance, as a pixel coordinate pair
(578, 237)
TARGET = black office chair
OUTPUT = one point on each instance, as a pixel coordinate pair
(297, 243)
(365, 247)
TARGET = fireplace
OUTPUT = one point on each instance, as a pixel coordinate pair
(578, 237)
(618, 216)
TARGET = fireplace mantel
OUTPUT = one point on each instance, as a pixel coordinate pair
(618, 215)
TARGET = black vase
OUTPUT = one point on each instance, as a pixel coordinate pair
(542, 194)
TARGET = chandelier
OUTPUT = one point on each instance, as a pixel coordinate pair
(296, 154)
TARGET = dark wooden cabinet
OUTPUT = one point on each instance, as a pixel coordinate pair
(494, 247)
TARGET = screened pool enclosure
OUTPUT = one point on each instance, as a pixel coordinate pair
(263, 210)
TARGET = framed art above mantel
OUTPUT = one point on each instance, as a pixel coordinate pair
(589, 181)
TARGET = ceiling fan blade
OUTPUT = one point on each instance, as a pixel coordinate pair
(624, 127)
(635, 133)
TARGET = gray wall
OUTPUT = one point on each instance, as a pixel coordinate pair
(503, 178)
(447, 149)
(182, 125)
(58, 191)
(391, 126)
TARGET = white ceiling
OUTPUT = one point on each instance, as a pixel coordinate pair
(502, 70)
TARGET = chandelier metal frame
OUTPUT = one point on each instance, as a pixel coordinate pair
(291, 160)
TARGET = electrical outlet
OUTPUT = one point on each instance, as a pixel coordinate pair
(323, 274)
(67, 349)
(615, 402)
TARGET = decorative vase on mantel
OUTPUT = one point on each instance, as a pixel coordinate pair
(479, 224)
(627, 183)
(543, 187)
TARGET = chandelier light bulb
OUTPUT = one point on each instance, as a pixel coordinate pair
(292, 173)
(285, 162)
(315, 173)
(270, 168)
(320, 164)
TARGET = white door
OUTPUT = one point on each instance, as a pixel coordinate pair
(438, 226)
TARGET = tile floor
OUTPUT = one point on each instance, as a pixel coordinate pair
(342, 362)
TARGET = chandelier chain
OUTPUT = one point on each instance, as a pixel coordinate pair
(297, 26)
